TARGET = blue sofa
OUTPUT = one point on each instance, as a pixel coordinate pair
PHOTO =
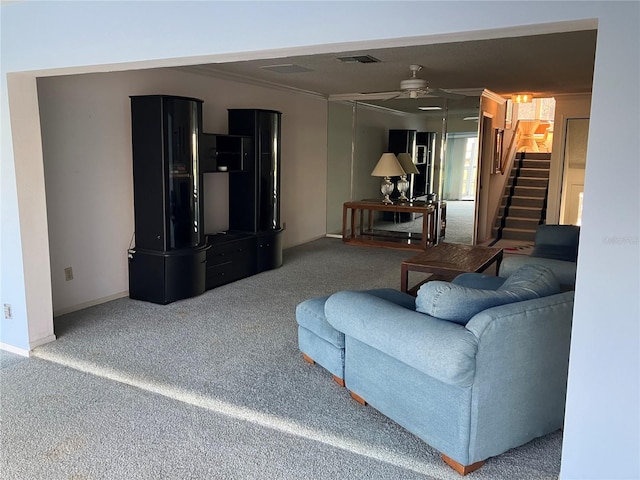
(555, 247)
(486, 376)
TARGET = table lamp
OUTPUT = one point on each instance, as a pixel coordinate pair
(387, 167)
(406, 162)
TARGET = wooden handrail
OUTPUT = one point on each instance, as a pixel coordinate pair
(510, 154)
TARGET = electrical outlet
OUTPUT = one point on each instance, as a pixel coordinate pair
(68, 274)
(7, 311)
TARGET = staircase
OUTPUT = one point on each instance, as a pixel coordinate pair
(524, 202)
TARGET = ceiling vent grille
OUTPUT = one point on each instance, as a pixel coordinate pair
(359, 59)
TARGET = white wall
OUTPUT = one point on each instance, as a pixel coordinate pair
(601, 435)
(86, 137)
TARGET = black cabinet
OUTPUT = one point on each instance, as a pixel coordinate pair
(402, 141)
(164, 277)
(230, 258)
(425, 154)
(254, 196)
(225, 153)
(168, 261)
(269, 250)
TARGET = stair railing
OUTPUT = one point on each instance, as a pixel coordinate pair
(510, 154)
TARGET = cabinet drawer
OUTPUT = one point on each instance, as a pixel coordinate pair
(229, 251)
(229, 272)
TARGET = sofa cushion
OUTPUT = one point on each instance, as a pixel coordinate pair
(456, 303)
(565, 272)
(556, 252)
(531, 281)
(559, 242)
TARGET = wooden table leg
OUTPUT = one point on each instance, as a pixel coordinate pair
(498, 262)
(344, 222)
(353, 223)
(404, 277)
(425, 230)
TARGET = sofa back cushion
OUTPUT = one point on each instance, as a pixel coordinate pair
(459, 304)
(559, 242)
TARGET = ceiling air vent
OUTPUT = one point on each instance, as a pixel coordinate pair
(359, 59)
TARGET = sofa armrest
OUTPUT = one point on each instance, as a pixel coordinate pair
(443, 350)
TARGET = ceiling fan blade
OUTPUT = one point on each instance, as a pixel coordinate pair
(396, 95)
(439, 92)
(364, 96)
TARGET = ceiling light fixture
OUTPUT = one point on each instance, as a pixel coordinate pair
(522, 98)
(426, 109)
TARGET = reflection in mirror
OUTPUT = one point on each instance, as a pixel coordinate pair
(460, 173)
(445, 150)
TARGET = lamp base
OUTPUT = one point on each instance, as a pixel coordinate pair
(387, 189)
(403, 186)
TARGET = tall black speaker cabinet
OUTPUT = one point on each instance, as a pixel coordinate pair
(168, 262)
(254, 194)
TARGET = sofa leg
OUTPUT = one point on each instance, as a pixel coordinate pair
(358, 398)
(461, 469)
(308, 359)
(338, 380)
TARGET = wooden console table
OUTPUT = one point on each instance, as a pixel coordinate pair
(358, 234)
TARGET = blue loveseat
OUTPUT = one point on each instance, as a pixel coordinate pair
(488, 375)
(555, 247)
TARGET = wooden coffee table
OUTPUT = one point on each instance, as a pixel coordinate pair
(447, 260)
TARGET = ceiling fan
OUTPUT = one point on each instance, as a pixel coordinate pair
(413, 87)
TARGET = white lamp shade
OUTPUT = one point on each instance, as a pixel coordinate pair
(406, 162)
(388, 166)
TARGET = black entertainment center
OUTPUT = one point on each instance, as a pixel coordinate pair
(173, 257)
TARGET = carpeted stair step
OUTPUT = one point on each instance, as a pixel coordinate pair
(521, 212)
(536, 156)
(534, 172)
(534, 192)
(539, 164)
(518, 234)
(519, 201)
(521, 223)
(540, 182)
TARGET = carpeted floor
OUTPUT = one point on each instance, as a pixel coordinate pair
(215, 387)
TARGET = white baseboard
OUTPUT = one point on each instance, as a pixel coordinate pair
(92, 303)
(27, 353)
(18, 351)
(333, 235)
(42, 341)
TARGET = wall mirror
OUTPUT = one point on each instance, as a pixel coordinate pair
(447, 130)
